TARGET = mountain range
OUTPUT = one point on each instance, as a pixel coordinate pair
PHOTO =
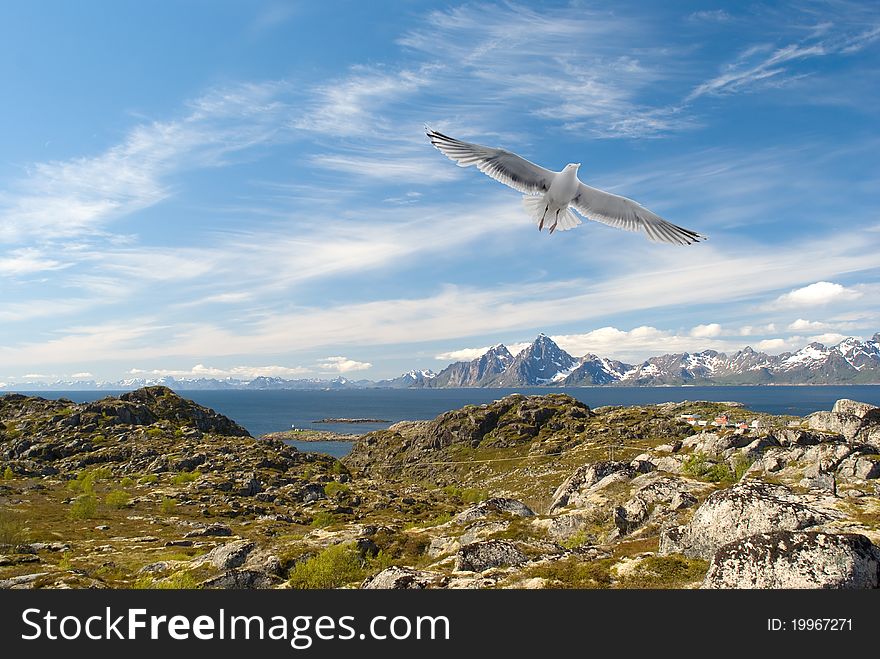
(544, 363)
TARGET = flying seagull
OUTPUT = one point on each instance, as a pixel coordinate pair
(549, 197)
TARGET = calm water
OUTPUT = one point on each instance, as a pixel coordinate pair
(268, 411)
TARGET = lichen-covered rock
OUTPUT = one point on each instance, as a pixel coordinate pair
(488, 554)
(785, 559)
(855, 408)
(230, 555)
(495, 505)
(572, 491)
(242, 579)
(712, 443)
(846, 425)
(737, 512)
(403, 578)
(860, 467)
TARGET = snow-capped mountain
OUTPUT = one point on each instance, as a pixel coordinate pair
(414, 378)
(544, 363)
(476, 373)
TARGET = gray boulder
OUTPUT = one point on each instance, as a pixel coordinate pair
(855, 408)
(572, 491)
(488, 554)
(228, 556)
(240, 580)
(403, 578)
(737, 512)
(860, 467)
(496, 505)
(846, 425)
(785, 559)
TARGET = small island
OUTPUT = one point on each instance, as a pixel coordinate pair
(299, 435)
(346, 420)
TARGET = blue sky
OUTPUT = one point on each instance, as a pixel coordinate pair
(244, 188)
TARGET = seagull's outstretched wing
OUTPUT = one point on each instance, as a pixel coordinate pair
(626, 214)
(503, 166)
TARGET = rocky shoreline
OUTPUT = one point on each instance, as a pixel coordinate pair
(149, 490)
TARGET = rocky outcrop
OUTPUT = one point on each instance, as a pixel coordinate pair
(576, 487)
(740, 511)
(853, 420)
(494, 506)
(786, 559)
(404, 578)
(488, 554)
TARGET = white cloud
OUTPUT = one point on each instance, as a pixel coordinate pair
(237, 372)
(82, 376)
(763, 63)
(633, 345)
(775, 345)
(352, 105)
(820, 293)
(463, 355)
(710, 15)
(757, 330)
(801, 325)
(706, 331)
(506, 55)
(62, 199)
(829, 338)
(343, 364)
(27, 261)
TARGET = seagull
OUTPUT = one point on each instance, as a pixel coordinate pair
(549, 197)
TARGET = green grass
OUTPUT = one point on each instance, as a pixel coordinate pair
(323, 518)
(467, 494)
(168, 506)
(185, 477)
(149, 479)
(673, 571)
(12, 529)
(576, 573)
(575, 541)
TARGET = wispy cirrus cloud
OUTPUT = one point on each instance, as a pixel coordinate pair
(763, 64)
(58, 200)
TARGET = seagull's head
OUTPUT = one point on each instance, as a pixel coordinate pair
(573, 165)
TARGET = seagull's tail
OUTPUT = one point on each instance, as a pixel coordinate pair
(543, 216)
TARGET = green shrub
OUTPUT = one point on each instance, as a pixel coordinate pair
(182, 580)
(333, 488)
(699, 466)
(8, 474)
(185, 477)
(434, 521)
(154, 432)
(335, 566)
(149, 479)
(168, 506)
(126, 482)
(12, 529)
(117, 499)
(323, 518)
(741, 465)
(84, 506)
(574, 541)
(84, 482)
(467, 494)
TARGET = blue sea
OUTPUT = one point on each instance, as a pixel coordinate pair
(269, 411)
